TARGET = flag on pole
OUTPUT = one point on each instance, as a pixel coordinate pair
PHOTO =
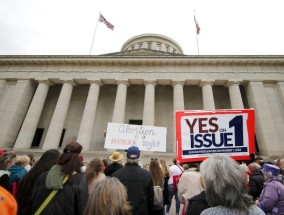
(197, 26)
(108, 24)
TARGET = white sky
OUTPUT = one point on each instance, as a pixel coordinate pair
(66, 27)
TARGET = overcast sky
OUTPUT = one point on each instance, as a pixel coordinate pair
(66, 27)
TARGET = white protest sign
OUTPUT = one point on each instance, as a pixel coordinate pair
(146, 138)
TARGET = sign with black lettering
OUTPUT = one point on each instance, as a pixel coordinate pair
(200, 134)
(146, 138)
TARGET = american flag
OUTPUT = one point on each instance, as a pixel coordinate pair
(197, 26)
(107, 23)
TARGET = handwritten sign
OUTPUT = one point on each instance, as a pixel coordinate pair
(146, 138)
(201, 134)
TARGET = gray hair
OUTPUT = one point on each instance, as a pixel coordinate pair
(224, 183)
(132, 161)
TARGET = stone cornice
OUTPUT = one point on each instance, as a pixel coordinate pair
(74, 60)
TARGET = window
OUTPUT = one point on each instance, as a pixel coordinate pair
(132, 47)
(62, 136)
(167, 48)
(140, 45)
(149, 45)
(37, 137)
(158, 46)
(174, 50)
(135, 121)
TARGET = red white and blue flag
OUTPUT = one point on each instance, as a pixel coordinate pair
(107, 23)
(197, 26)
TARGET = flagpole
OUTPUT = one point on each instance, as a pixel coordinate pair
(94, 34)
(196, 33)
(197, 43)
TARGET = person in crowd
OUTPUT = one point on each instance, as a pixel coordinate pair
(116, 159)
(244, 167)
(109, 197)
(6, 161)
(25, 188)
(71, 196)
(94, 173)
(158, 180)
(166, 172)
(83, 166)
(106, 163)
(259, 160)
(8, 204)
(188, 186)
(271, 200)
(197, 203)
(175, 171)
(18, 171)
(277, 163)
(256, 180)
(32, 162)
(138, 182)
(224, 184)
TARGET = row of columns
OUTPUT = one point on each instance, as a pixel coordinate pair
(52, 138)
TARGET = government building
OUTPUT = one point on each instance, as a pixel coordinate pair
(49, 101)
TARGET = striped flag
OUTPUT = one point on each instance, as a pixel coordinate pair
(107, 23)
(197, 26)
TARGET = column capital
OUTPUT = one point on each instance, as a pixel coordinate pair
(175, 82)
(203, 82)
(126, 82)
(45, 81)
(71, 81)
(230, 82)
(153, 82)
(98, 82)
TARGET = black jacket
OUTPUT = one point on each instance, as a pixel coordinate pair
(139, 186)
(197, 204)
(71, 200)
(256, 182)
(110, 169)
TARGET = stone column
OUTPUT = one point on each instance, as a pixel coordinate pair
(280, 89)
(88, 119)
(14, 112)
(178, 105)
(120, 102)
(207, 95)
(3, 84)
(178, 95)
(265, 130)
(32, 118)
(149, 104)
(235, 94)
(58, 119)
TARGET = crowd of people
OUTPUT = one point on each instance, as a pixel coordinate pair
(60, 183)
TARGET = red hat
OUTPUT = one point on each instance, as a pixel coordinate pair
(1, 152)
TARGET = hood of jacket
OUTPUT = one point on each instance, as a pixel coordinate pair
(15, 168)
(54, 178)
(199, 197)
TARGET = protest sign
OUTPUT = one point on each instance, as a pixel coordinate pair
(146, 138)
(200, 134)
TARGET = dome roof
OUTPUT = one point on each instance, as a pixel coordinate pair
(154, 42)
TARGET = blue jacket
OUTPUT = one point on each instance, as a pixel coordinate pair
(17, 173)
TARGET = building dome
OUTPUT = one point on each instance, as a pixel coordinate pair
(152, 42)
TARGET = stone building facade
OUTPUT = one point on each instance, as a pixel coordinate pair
(49, 101)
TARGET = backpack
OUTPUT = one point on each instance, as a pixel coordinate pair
(158, 196)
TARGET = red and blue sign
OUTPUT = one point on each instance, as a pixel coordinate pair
(201, 134)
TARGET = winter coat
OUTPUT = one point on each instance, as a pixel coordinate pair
(71, 199)
(220, 210)
(110, 169)
(4, 179)
(256, 182)
(197, 204)
(139, 186)
(17, 173)
(272, 197)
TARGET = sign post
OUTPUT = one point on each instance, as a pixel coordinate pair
(201, 134)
